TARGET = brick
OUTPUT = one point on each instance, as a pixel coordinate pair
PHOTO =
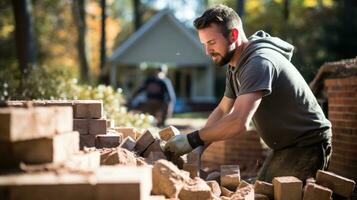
(265, 188)
(245, 193)
(107, 141)
(155, 156)
(128, 143)
(7, 160)
(214, 176)
(90, 126)
(260, 197)
(216, 190)
(18, 124)
(127, 131)
(157, 197)
(144, 142)
(84, 161)
(230, 176)
(140, 161)
(226, 192)
(47, 150)
(104, 183)
(194, 161)
(156, 146)
(167, 133)
(86, 141)
(338, 184)
(192, 169)
(313, 191)
(118, 156)
(287, 187)
(88, 109)
(179, 161)
(167, 179)
(196, 189)
(224, 198)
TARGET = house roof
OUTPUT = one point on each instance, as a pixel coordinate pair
(163, 39)
(339, 69)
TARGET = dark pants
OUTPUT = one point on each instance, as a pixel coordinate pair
(301, 162)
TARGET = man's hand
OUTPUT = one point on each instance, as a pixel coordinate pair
(178, 145)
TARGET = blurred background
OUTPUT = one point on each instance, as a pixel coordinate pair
(104, 49)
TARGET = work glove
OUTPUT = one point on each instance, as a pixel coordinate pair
(183, 144)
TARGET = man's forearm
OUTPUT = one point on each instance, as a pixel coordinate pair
(215, 116)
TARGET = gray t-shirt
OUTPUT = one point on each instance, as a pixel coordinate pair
(288, 113)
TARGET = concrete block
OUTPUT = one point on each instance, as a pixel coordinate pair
(245, 193)
(107, 141)
(18, 124)
(313, 191)
(127, 131)
(128, 143)
(216, 190)
(104, 183)
(88, 109)
(155, 156)
(81, 125)
(144, 142)
(196, 189)
(167, 180)
(338, 184)
(265, 188)
(156, 146)
(86, 141)
(230, 176)
(287, 187)
(167, 133)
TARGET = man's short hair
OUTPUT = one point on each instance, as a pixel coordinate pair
(222, 15)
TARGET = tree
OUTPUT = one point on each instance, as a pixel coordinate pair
(137, 13)
(79, 16)
(24, 36)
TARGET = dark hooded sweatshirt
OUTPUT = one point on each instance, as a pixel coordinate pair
(288, 114)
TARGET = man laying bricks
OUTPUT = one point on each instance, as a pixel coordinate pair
(264, 86)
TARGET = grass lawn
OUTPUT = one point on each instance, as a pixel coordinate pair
(194, 115)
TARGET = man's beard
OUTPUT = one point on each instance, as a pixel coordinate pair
(225, 58)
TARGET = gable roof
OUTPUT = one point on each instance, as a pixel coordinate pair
(163, 39)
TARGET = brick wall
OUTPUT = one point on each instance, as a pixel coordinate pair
(245, 150)
(342, 112)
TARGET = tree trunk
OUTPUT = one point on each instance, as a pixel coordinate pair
(24, 36)
(79, 15)
(137, 14)
(104, 76)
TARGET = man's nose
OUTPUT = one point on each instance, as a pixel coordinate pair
(208, 51)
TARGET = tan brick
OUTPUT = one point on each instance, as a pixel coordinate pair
(128, 143)
(127, 131)
(167, 180)
(260, 197)
(84, 161)
(47, 150)
(214, 176)
(156, 146)
(313, 191)
(118, 156)
(287, 187)
(230, 176)
(226, 192)
(107, 141)
(17, 124)
(196, 189)
(224, 198)
(243, 184)
(86, 141)
(338, 184)
(194, 162)
(245, 193)
(167, 133)
(192, 169)
(105, 183)
(265, 188)
(88, 109)
(90, 126)
(216, 190)
(144, 142)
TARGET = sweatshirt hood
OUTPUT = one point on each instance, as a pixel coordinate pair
(261, 39)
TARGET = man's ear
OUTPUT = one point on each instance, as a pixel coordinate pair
(234, 35)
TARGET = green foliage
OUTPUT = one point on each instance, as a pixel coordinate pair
(60, 83)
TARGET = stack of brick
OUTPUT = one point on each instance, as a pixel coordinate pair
(41, 159)
(88, 120)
